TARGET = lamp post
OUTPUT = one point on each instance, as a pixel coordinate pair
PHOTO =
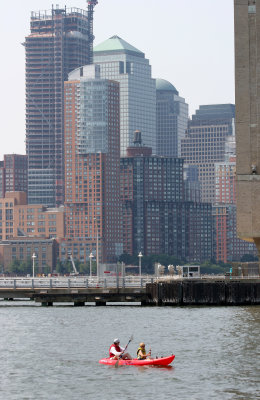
(33, 258)
(140, 266)
(97, 255)
(90, 264)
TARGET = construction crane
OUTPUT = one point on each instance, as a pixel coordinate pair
(75, 272)
(91, 5)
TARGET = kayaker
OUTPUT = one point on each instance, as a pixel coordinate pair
(141, 352)
(116, 351)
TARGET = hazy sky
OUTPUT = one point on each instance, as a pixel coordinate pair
(188, 42)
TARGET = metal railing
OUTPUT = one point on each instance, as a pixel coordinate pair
(104, 282)
(75, 282)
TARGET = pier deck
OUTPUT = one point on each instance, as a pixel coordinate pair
(147, 291)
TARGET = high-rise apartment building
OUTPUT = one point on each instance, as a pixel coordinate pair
(2, 179)
(225, 186)
(60, 41)
(144, 179)
(16, 173)
(209, 133)
(92, 166)
(120, 61)
(156, 219)
(13, 174)
(228, 247)
(171, 119)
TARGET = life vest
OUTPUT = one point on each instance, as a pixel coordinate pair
(143, 351)
(117, 348)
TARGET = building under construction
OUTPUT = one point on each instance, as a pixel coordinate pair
(60, 40)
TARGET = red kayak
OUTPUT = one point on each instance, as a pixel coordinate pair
(150, 361)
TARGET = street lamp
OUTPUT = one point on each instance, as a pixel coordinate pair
(90, 264)
(140, 258)
(97, 253)
(33, 258)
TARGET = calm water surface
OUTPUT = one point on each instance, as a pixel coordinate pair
(53, 353)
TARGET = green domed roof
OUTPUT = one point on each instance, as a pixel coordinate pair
(162, 84)
(116, 45)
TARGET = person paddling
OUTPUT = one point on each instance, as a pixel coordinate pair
(116, 351)
(141, 352)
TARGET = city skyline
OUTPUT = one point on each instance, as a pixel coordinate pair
(183, 42)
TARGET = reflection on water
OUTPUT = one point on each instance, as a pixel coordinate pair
(53, 353)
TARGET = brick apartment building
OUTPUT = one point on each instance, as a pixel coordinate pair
(13, 174)
(156, 217)
(25, 229)
(22, 249)
(92, 166)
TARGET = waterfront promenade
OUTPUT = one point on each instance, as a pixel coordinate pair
(163, 291)
(78, 289)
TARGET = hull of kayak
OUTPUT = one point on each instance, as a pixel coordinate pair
(152, 361)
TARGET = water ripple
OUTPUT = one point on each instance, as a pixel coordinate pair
(53, 353)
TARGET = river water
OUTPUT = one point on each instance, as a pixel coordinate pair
(52, 353)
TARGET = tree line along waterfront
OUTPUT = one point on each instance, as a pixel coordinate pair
(22, 267)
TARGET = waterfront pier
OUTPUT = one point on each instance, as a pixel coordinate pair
(145, 291)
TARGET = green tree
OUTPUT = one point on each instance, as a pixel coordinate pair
(127, 259)
(21, 267)
(207, 267)
(148, 262)
(63, 267)
(248, 258)
(15, 267)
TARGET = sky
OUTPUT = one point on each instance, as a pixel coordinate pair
(190, 43)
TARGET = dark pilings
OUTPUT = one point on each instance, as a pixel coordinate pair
(199, 292)
(79, 303)
(100, 303)
(47, 304)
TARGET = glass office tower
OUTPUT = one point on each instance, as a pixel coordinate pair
(171, 119)
(127, 65)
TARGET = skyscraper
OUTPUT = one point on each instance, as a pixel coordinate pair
(60, 41)
(13, 174)
(225, 180)
(228, 247)
(147, 180)
(127, 65)
(171, 119)
(2, 179)
(210, 133)
(92, 166)
(156, 218)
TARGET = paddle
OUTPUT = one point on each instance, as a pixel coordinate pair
(116, 364)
